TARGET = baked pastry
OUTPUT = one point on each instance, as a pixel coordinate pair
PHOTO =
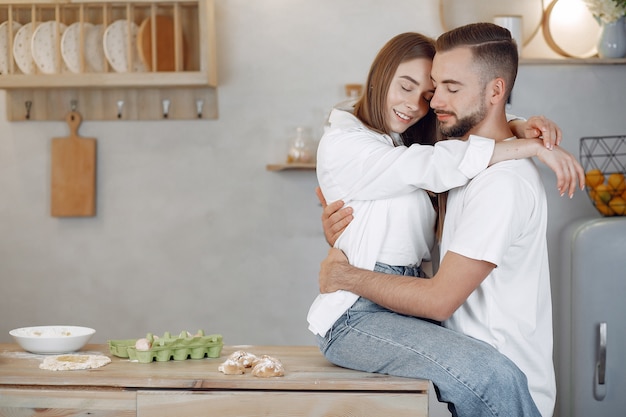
(268, 367)
(231, 367)
(245, 359)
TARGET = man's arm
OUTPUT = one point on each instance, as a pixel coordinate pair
(436, 298)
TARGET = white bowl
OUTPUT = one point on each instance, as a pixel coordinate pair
(52, 339)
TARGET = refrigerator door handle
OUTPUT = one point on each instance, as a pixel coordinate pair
(600, 374)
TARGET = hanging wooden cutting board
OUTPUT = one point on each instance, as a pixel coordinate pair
(73, 163)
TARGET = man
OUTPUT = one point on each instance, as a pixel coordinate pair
(493, 281)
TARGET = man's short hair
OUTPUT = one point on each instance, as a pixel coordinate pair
(493, 49)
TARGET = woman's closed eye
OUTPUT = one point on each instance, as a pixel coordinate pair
(407, 87)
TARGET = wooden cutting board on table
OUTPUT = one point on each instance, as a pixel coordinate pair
(73, 164)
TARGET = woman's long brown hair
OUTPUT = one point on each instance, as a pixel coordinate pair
(370, 108)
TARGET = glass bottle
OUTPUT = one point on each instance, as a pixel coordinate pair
(300, 149)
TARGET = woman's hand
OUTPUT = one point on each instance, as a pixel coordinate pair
(567, 169)
(335, 217)
(537, 127)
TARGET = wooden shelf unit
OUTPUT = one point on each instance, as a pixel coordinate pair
(573, 61)
(188, 91)
(302, 166)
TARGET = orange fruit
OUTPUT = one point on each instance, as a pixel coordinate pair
(596, 197)
(618, 205)
(603, 193)
(594, 177)
(604, 209)
(617, 183)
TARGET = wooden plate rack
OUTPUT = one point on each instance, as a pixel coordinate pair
(187, 91)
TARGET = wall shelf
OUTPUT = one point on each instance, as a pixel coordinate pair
(309, 166)
(168, 47)
(572, 61)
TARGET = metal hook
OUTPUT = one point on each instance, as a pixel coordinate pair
(28, 105)
(73, 104)
(199, 105)
(166, 108)
(120, 106)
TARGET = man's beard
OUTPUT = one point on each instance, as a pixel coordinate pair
(465, 124)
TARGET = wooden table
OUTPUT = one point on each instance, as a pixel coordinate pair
(311, 387)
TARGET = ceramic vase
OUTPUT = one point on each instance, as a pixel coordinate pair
(612, 42)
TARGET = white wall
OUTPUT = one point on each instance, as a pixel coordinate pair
(191, 230)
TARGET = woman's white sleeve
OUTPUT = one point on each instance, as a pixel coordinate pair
(364, 168)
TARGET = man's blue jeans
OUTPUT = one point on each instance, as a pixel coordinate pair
(473, 377)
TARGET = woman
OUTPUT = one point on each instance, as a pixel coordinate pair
(375, 160)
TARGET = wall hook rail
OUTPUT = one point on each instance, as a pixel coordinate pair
(114, 104)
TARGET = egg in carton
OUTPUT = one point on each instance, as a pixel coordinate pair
(163, 349)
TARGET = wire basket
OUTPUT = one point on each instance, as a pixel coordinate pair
(604, 160)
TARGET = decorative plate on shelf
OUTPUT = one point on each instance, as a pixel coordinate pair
(22, 48)
(455, 13)
(44, 47)
(165, 44)
(116, 43)
(5, 36)
(92, 47)
(570, 29)
(94, 50)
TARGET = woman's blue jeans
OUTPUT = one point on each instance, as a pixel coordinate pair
(470, 375)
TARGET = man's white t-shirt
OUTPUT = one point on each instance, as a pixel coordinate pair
(501, 217)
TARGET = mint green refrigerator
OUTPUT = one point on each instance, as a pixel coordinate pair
(591, 347)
